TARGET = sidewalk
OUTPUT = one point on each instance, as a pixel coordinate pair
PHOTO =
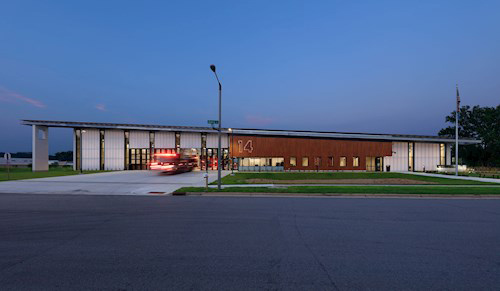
(491, 180)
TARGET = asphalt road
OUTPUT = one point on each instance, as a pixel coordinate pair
(142, 242)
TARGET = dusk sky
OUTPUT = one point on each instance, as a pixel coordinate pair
(354, 66)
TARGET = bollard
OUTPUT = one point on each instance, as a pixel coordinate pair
(206, 181)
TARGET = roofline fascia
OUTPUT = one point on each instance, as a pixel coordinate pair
(263, 132)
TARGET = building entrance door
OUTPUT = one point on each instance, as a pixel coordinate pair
(378, 164)
(139, 159)
(374, 164)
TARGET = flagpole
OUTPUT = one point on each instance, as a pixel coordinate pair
(456, 133)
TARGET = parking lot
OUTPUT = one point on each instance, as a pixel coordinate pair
(111, 183)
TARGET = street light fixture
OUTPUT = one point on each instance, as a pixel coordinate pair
(212, 67)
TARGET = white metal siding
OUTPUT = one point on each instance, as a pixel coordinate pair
(213, 142)
(399, 159)
(90, 149)
(114, 150)
(139, 139)
(426, 156)
(164, 140)
(190, 140)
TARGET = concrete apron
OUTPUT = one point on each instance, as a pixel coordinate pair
(110, 183)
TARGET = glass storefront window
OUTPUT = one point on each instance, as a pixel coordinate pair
(262, 162)
(305, 162)
(278, 162)
(293, 161)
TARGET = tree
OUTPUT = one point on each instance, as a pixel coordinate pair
(479, 123)
(64, 156)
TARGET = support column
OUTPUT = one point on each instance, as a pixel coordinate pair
(40, 155)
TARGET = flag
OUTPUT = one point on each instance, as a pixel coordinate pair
(458, 100)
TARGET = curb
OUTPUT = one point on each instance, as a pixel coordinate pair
(337, 195)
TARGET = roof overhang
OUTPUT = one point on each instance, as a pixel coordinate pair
(100, 125)
(361, 136)
(242, 131)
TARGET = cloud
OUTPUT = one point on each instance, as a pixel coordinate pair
(11, 96)
(258, 120)
(100, 107)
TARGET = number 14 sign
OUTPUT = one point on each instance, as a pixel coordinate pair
(248, 147)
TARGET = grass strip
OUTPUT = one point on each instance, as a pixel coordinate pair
(27, 173)
(242, 178)
(353, 189)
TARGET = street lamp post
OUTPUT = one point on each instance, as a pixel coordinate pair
(212, 67)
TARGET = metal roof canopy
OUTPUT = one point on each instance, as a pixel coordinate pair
(242, 131)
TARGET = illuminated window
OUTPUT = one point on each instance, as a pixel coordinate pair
(343, 161)
(305, 162)
(293, 161)
(278, 162)
(355, 161)
(178, 142)
(262, 162)
(442, 154)
(330, 162)
(411, 158)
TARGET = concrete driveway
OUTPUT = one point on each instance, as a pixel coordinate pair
(111, 183)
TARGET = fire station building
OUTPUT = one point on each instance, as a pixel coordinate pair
(111, 146)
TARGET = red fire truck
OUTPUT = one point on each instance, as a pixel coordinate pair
(173, 163)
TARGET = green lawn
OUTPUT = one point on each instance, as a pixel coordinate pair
(354, 190)
(242, 178)
(26, 173)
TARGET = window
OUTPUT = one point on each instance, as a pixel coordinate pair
(127, 152)
(442, 154)
(101, 150)
(343, 161)
(317, 161)
(178, 142)
(370, 164)
(411, 159)
(305, 162)
(151, 139)
(278, 162)
(78, 148)
(330, 162)
(262, 162)
(293, 161)
(355, 161)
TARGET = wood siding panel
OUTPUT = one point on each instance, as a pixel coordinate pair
(259, 146)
